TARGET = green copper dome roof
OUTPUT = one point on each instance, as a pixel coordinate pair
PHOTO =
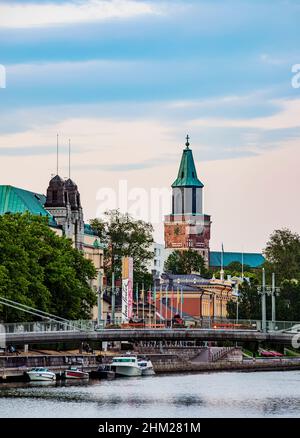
(15, 200)
(187, 174)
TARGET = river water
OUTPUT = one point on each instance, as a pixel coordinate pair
(260, 394)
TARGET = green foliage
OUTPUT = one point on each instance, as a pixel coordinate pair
(185, 262)
(282, 254)
(42, 270)
(249, 302)
(124, 236)
(288, 301)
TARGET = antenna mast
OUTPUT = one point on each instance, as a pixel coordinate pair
(69, 158)
(56, 154)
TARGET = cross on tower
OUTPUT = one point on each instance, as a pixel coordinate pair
(187, 141)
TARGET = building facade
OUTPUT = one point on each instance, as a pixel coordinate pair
(194, 297)
(156, 265)
(187, 227)
(62, 207)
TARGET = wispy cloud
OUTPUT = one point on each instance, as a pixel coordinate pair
(35, 14)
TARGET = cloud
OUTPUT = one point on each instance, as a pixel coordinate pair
(287, 117)
(34, 14)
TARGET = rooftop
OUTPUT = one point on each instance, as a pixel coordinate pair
(254, 260)
(187, 174)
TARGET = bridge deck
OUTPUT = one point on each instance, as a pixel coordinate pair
(149, 334)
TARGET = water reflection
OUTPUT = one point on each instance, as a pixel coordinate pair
(190, 395)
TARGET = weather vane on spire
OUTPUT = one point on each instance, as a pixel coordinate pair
(187, 141)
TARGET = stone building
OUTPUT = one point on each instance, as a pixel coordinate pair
(62, 206)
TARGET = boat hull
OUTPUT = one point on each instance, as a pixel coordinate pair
(148, 372)
(41, 377)
(127, 371)
(76, 375)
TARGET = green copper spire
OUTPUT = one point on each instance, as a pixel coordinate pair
(187, 174)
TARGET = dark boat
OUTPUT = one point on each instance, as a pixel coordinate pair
(103, 372)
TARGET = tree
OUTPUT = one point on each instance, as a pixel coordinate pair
(124, 236)
(42, 270)
(288, 301)
(282, 254)
(249, 302)
(185, 262)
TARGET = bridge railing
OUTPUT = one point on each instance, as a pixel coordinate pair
(46, 326)
(91, 325)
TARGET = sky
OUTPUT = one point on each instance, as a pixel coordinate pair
(127, 80)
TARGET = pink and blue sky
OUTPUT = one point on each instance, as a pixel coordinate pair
(128, 79)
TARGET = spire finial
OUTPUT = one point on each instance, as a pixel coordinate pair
(187, 141)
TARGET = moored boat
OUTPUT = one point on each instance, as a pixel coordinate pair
(146, 367)
(126, 366)
(41, 374)
(75, 373)
(103, 372)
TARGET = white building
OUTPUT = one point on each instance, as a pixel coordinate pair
(156, 265)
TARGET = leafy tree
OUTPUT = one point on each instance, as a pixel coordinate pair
(282, 254)
(124, 236)
(288, 301)
(249, 302)
(185, 262)
(42, 270)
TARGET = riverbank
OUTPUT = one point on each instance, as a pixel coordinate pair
(13, 368)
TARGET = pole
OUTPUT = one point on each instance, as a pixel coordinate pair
(160, 304)
(181, 302)
(172, 299)
(137, 299)
(154, 296)
(99, 319)
(167, 304)
(263, 301)
(56, 154)
(149, 308)
(143, 293)
(273, 300)
(113, 298)
(177, 299)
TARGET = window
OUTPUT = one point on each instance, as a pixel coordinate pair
(182, 175)
(54, 195)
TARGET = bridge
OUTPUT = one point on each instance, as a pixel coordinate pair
(54, 329)
(136, 335)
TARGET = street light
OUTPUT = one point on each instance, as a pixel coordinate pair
(272, 291)
(99, 291)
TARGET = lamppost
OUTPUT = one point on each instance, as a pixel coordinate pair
(177, 305)
(113, 298)
(194, 282)
(264, 290)
(99, 291)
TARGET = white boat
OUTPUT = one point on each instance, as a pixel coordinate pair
(146, 367)
(126, 366)
(41, 374)
(75, 373)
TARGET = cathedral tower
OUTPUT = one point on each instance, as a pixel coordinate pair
(187, 226)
